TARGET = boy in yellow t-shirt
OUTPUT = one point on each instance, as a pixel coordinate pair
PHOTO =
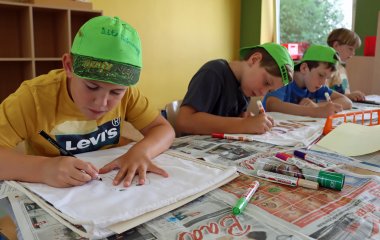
(83, 107)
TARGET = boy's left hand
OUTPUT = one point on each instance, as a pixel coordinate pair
(130, 164)
(356, 96)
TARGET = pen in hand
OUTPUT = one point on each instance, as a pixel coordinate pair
(60, 148)
(260, 106)
(327, 96)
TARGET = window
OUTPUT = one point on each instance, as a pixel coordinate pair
(304, 22)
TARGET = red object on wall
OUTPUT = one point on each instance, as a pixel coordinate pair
(369, 45)
(296, 49)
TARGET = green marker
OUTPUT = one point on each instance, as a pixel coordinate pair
(244, 199)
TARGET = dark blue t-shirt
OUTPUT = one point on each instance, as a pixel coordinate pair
(214, 89)
(293, 94)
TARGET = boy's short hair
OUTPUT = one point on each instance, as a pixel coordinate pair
(344, 36)
(107, 49)
(276, 59)
(319, 54)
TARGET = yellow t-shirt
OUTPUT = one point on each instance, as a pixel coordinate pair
(43, 103)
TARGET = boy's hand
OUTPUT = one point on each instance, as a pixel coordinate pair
(247, 114)
(66, 171)
(356, 96)
(328, 109)
(258, 124)
(308, 102)
(130, 164)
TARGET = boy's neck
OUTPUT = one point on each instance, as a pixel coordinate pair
(298, 78)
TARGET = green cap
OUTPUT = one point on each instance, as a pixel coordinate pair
(331, 180)
(107, 49)
(240, 206)
(279, 53)
(320, 53)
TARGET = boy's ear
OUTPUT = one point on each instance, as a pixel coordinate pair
(67, 63)
(304, 67)
(336, 44)
(255, 57)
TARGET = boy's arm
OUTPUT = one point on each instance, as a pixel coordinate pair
(57, 171)
(341, 99)
(274, 104)
(193, 122)
(158, 136)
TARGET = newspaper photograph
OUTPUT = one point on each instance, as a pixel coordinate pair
(352, 213)
(209, 218)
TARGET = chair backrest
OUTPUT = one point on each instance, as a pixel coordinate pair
(171, 110)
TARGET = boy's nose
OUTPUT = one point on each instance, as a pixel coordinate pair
(101, 100)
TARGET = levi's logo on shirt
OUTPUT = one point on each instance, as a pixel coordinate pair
(106, 134)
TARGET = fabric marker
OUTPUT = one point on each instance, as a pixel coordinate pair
(311, 159)
(331, 180)
(327, 96)
(55, 144)
(232, 137)
(260, 106)
(60, 148)
(289, 159)
(287, 180)
(245, 198)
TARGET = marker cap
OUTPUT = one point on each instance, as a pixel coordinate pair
(239, 207)
(299, 154)
(331, 180)
(217, 135)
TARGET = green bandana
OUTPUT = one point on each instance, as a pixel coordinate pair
(109, 50)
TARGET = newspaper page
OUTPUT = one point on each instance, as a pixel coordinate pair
(290, 130)
(35, 223)
(369, 161)
(209, 218)
(353, 213)
(5, 190)
(223, 151)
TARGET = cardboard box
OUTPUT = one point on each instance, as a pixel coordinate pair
(70, 4)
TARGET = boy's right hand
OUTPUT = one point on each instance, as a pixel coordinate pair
(258, 124)
(64, 171)
(328, 109)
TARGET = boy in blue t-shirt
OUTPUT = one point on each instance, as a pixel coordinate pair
(219, 93)
(306, 95)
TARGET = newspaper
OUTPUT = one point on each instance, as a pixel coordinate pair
(35, 223)
(290, 130)
(5, 190)
(369, 161)
(223, 151)
(209, 218)
(353, 213)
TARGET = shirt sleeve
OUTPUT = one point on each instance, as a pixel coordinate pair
(17, 117)
(203, 91)
(139, 111)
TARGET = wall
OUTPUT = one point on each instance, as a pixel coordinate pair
(178, 37)
(250, 22)
(366, 20)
